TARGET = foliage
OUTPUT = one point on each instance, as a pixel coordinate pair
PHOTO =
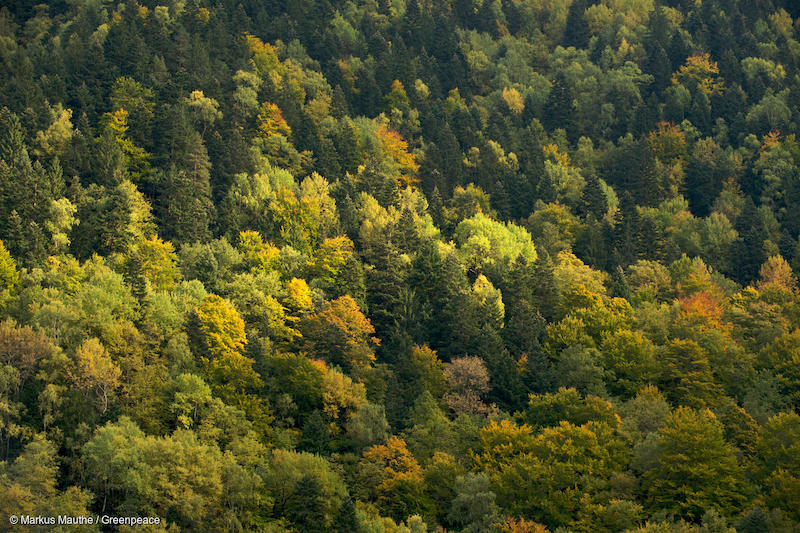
(401, 266)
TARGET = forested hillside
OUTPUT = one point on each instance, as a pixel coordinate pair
(401, 266)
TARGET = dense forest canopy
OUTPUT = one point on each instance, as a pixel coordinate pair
(401, 266)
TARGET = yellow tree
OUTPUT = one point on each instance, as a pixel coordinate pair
(513, 100)
(9, 277)
(136, 158)
(57, 136)
(271, 121)
(221, 327)
(390, 475)
(94, 371)
(700, 73)
(396, 150)
(258, 255)
(158, 262)
(220, 336)
(777, 273)
(342, 335)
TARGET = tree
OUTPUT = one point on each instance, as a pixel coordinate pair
(273, 136)
(550, 409)
(341, 335)
(176, 476)
(157, 263)
(594, 199)
(429, 370)
(776, 273)
(707, 169)
(346, 520)
(468, 381)
(282, 480)
(220, 329)
(474, 507)
(630, 357)
(138, 101)
(644, 414)
(551, 477)
(205, 110)
(694, 468)
(137, 160)
(54, 140)
(9, 276)
(687, 377)
(699, 73)
(95, 371)
(219, 338)
(490, 247)
(389, 474)
(186, 208)
(305, 508)
(24, 349)
(26, 192)
(748, 249)
(29, 484)
(576, 31)
(295, 221)
(777, 461)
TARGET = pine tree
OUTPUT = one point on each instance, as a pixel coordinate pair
(437, 282)
(545, 292)
(524, 322)
(592, 246)
(538, 374)
(500, 198)
(405, 236)
(451, 160)
(346, 142)
(678, 50)
(546, 189)
(339, 108)
(327, 163)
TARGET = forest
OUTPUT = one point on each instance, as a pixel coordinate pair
(401, 266)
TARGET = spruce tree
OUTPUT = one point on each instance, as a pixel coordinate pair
(594, 199)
